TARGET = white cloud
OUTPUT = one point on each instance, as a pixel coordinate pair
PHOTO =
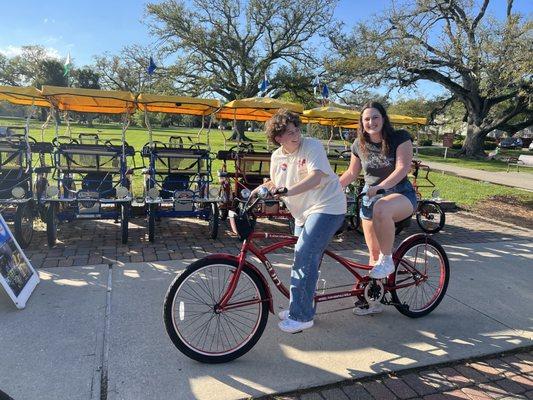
(12, 51)
(49, 20)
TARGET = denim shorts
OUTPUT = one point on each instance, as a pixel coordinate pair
(405, 188)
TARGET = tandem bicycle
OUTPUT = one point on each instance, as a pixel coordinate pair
(217, 309)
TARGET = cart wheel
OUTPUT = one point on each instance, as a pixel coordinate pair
(213, 221)
(24, 224)
(223, 214)
(430, 216)
(124, 220)
(151, 222)
(51, 224)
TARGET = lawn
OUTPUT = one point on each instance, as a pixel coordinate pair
(436, 154)
(463, 192)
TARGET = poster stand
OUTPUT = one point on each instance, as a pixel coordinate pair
(17, 276)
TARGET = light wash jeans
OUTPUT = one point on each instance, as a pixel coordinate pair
(314, 237)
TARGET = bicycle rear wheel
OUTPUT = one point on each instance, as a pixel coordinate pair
(422, 268)
(430, 216)
(194, 325)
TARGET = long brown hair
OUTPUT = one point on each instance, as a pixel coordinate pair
(386, 131)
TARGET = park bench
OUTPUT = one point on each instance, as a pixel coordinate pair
(523, 160)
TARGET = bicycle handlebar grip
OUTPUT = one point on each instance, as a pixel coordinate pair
(281, 190)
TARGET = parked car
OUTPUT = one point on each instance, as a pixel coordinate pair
(511, 143)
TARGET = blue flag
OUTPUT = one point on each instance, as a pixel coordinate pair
(325, 91)
(264, 85)
(151, 67)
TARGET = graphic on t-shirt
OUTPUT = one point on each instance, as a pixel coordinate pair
(283, 166)
(378, 160)
(301, 162)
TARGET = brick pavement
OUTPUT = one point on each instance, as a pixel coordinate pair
(505, 376)
(96, 242)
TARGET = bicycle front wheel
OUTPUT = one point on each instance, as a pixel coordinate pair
(421, 277)
(430, 216)
(197, 328)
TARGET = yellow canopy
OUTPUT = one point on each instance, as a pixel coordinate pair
(90, 100)
(177, 104)
(331, 116)
(25, 96)
(405, 120)
(255, 108)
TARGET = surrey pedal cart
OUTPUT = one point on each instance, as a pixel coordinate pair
(178, 170)
(250, 169)
(91, 175)
(22, 185)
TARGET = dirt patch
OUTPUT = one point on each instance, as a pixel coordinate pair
(507, 209)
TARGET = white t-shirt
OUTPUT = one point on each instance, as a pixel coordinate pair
(288, 169)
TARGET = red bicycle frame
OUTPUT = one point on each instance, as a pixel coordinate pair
(288, 240)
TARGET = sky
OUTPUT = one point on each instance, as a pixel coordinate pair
(88, 28)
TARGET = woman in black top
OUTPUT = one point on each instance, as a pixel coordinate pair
(385, 156)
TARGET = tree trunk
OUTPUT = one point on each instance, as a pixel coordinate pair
(238, 133)
(473, 144)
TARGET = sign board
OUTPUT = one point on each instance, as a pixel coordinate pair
(447, 140)
(17, 276)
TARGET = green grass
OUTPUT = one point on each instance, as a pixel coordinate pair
(467, 192)
(463, 192)
(436, 155)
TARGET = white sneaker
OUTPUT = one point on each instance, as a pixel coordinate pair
(283, 314)
(291, 326)
(383, 268)
(364, 308)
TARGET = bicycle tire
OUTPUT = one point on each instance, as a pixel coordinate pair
(213, 221)
(51, 224)
(24, 224)
(151, 223)
(404, 259)
(213, 274)
(124, 222)
(425, 215)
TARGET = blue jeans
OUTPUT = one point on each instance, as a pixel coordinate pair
(313, 238)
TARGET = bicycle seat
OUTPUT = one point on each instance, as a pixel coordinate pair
(404, 223)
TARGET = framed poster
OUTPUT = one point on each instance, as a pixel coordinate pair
(17, 276)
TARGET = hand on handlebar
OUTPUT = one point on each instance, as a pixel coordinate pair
(278, 191)
(373, 190)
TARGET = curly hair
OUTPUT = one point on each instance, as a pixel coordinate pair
(277, 125)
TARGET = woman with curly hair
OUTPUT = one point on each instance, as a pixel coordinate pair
(316, 201)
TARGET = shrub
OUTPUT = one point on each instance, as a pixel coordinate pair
(489, 145)
(457, 144)
(425, 142)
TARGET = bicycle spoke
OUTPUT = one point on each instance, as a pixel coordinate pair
(199, 325)
(419, 269)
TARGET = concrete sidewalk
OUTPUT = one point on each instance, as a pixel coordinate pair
(521, 180)
(97, 332)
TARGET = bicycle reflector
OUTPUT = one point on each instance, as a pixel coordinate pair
(18, 192)
(153, 193)
(52, 191)
(122, 192)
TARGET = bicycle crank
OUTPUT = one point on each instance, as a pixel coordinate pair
(374, 290)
